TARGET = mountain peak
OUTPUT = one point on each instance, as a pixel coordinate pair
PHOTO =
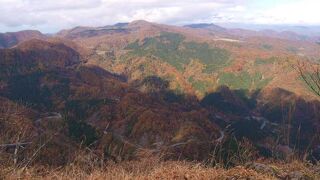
(11, 39)
(140, 23)
(41, 54)
(210, 26)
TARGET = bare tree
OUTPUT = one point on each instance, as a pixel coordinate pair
(310, 74)
(14, 130)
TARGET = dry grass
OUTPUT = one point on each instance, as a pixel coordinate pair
(140, 170)
(154, 168)
(148, 166)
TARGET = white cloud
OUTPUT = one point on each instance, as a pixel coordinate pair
(306, 12)
(53, 15)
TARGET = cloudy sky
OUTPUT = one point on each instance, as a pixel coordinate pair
(53, 15)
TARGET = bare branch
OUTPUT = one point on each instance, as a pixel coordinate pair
(312, 79)
(15, 144)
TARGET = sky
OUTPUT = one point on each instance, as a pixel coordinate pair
(50, 16)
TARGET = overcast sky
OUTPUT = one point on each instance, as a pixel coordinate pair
(53, 15)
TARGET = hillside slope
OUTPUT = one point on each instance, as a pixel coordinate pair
(178, 92)
(11, 39)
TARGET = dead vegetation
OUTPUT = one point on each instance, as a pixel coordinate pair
(155, 168)
(310, 74)
(226, 162)
(87, 165)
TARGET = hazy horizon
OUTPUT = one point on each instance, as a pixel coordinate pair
(51, 16)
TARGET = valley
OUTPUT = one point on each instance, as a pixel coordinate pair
(199, 93)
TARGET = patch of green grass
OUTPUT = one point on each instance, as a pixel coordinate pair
(244, 80)
(171, 48)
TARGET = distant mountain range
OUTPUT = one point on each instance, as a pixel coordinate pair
(212, 27)
(285, 32)
(179, 90)
(311, 30)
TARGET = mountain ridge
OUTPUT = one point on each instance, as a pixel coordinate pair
(13, 38)
(177, 91)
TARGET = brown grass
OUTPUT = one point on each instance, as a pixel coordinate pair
(139, 170)
(87, 165)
